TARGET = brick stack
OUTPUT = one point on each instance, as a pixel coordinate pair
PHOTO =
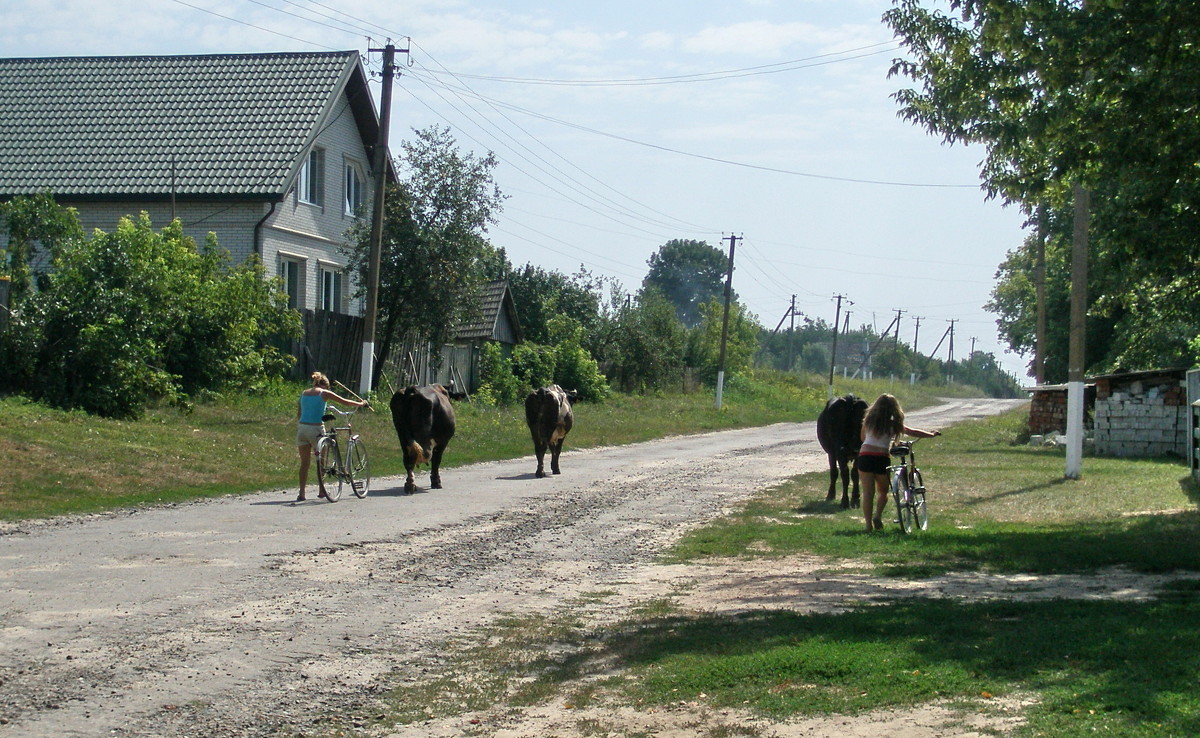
(1146, 416)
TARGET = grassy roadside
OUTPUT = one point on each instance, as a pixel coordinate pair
(1119, 666)
(68, 462)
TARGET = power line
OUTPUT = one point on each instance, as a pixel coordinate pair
(777, 67)
(251, 25)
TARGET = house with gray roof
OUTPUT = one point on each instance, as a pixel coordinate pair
(271, 152)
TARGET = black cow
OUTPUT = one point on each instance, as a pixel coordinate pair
(424, 421)
(839, 429)
(548, 413)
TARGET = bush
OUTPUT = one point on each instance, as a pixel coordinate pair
(499, 386)
(574, 367)
(533, 364)
(134, 316)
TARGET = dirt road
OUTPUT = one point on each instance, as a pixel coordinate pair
(249, 615)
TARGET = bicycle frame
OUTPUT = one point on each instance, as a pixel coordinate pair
(340, 465)
(908, 488)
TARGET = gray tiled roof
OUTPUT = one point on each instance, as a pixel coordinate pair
(493, 298)
(234, 124)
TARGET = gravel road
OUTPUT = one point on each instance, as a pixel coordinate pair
(251, 615)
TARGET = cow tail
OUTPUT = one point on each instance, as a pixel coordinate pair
(417, 452)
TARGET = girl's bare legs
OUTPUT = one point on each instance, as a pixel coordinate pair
(866, 480)
(305, 452)
(881, 486)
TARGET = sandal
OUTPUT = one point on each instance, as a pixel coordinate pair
(878, 523)
(300, 498)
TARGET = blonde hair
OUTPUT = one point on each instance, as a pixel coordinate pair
(320, 380)
(885, 417)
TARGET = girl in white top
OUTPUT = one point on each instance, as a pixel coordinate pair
(884, 422)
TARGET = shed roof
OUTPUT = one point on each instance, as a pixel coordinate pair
(137, 127)
(493, 299)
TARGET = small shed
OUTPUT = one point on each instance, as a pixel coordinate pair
(497, 322)
(1048, 408)
(1142, 414)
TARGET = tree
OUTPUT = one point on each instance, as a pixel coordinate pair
(689, 274)
(704, 347)
(33, 221)
(650, 343)
(133, 316)
(433, 255)
(1101, 93)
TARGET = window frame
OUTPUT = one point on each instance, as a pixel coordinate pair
(332, 277)
(310, 182)
(359, 188)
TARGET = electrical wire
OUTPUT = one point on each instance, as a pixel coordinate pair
(775, 68)
(251, 25)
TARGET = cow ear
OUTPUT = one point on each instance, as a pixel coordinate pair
(572, 396)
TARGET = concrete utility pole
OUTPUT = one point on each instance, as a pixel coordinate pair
(1076, 359)
(837, 317)
(370, 316)
(725, 319)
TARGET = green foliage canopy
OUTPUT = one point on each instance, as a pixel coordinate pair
(136, 315)
(689, 274)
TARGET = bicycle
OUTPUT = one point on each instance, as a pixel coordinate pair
(346, 465)
(908, 489)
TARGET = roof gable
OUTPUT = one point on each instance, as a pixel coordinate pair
(494, 300)
(227, 125)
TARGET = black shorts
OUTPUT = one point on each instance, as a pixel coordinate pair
(873, 463)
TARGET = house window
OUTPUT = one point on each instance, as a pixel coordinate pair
(310, 184)
(291, 272)
(331, 290)
(354, 189)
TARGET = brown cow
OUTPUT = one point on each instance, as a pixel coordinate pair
(548, 413)
(424, 421)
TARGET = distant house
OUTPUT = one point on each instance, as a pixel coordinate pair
(271, 152)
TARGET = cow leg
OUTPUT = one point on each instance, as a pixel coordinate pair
(554, 452)
(833, 475)
(844, 468)
(540, 451)
(410, 486)
(854, 496)
(435, 479)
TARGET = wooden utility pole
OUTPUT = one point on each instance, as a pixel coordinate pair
(1076, 359)
(896, 340)
(725, 319)
(792, 335)
(367, 372)
(837, 318)
(1039, 351)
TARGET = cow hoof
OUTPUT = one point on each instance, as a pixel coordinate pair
(830, 497)
(435, 485)
(845, 504)
(410, 488)
(556, 471)
(539, 474)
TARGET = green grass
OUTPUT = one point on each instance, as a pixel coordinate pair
(1068, 667)
(60, 462)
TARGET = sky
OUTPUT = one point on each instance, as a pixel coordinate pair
(619, 126)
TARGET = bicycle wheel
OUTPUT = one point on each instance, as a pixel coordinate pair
(903, 512)
(918, 497)
(327, 466)
(360, 470)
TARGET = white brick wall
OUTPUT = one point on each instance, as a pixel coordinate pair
(1140, 423)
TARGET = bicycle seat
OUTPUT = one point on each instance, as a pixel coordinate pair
(900, 450)
(328, 417)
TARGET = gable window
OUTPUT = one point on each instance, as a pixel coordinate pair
(310, 183)
(331, 290)
(291, 271)
(353, 189)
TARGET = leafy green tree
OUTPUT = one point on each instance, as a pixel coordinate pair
(533, 364)
(1103, 94)
(498, 384)
(650, 343)
(689, 274)
(574, 367)
(434, 256)
(31, 222)
(136, 315)
(705, 340)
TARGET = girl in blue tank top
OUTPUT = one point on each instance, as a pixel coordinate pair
(309, 411)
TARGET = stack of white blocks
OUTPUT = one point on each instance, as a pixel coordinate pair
(1138, 422)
